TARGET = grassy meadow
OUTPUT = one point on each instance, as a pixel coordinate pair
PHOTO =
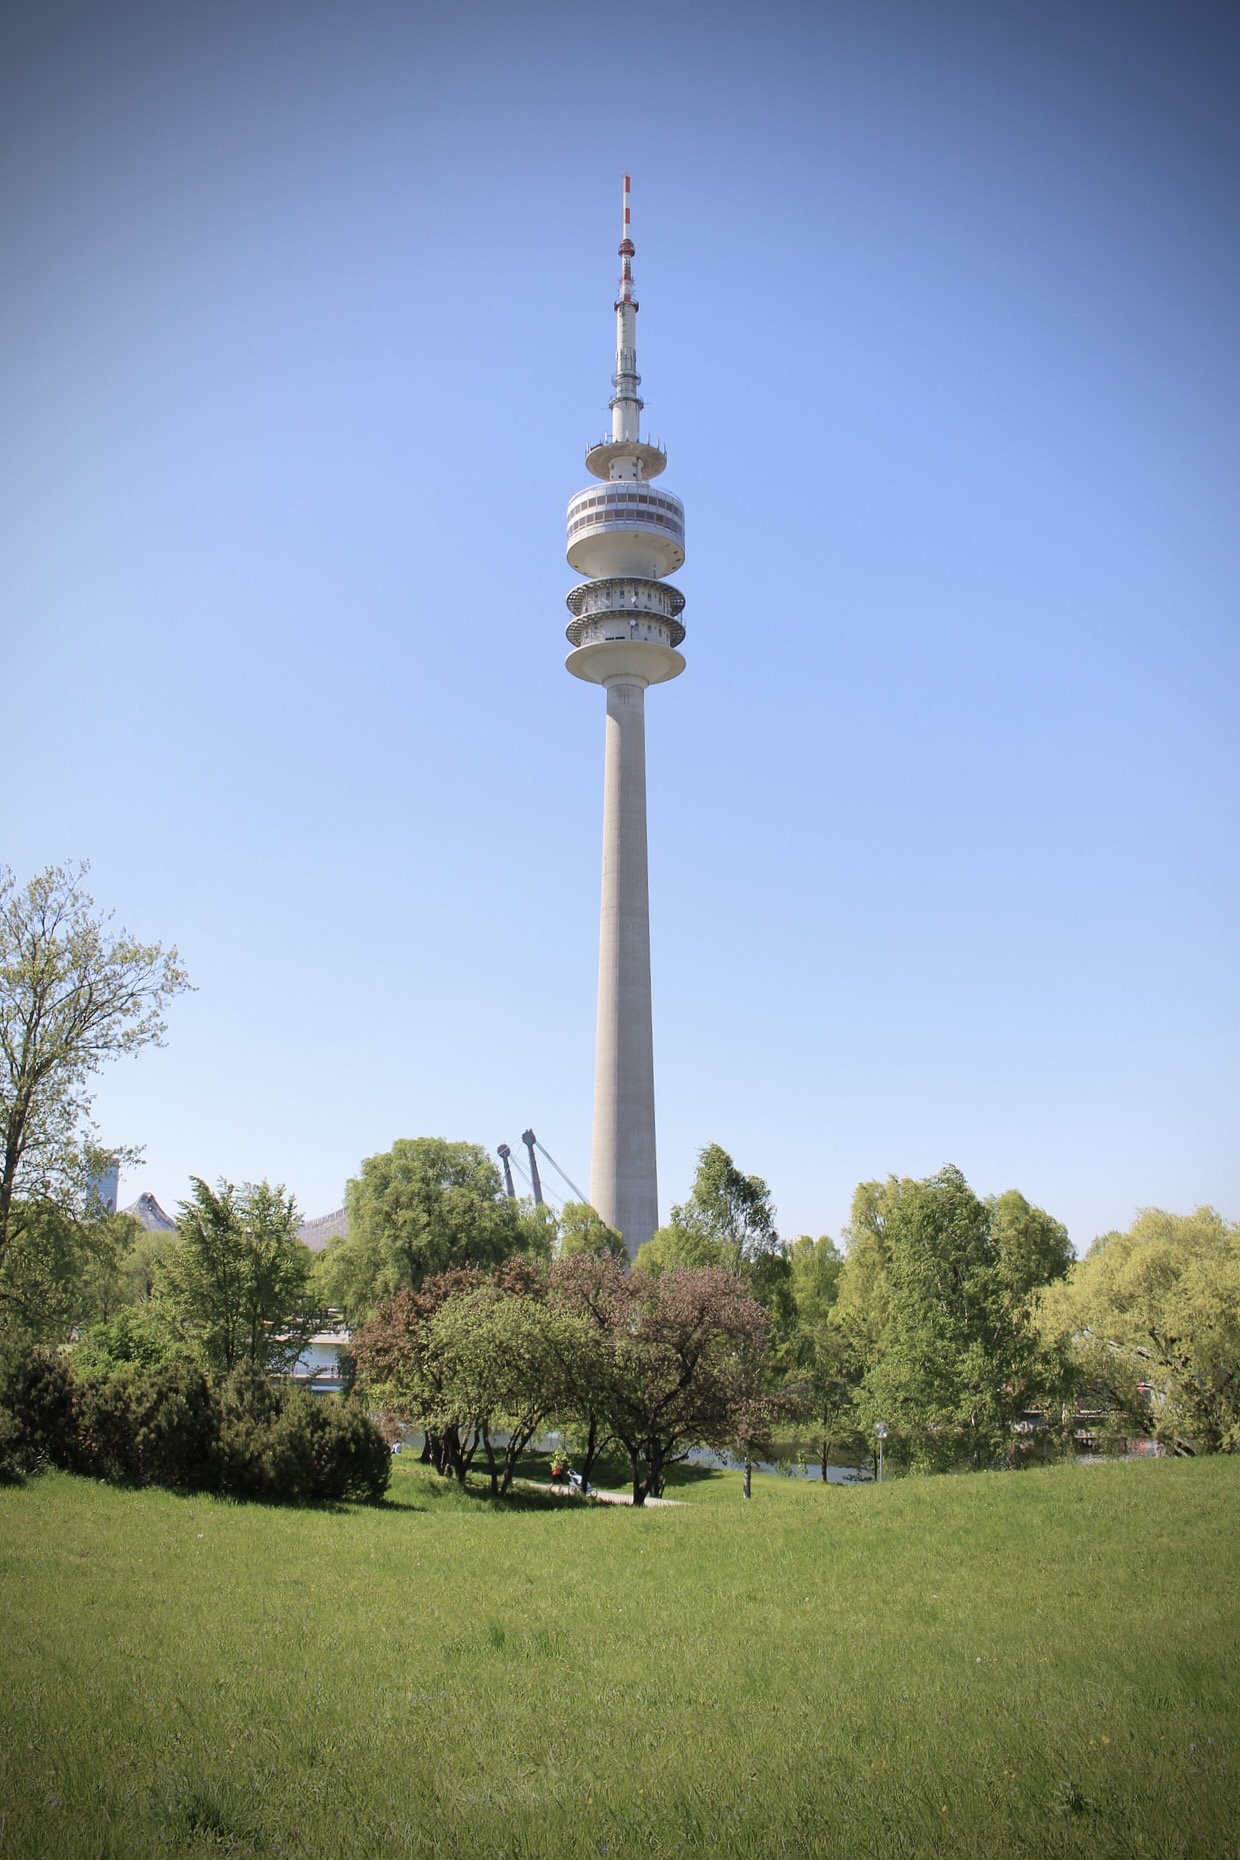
(1034, 1664)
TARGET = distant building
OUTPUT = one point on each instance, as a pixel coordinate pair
(105, 1186)
(148, 1213)
(324, 1227)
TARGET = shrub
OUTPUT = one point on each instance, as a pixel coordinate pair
(288, 1444)
(150, 1427)
(170, 1426)
(37, 1419)
(357, 1459)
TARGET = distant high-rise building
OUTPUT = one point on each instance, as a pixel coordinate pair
(105, 1186)
(625, 632)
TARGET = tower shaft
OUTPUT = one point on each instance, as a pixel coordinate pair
(623, 1177)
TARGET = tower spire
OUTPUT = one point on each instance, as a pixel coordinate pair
(626, 408)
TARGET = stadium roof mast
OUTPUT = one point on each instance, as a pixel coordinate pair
(625, 631)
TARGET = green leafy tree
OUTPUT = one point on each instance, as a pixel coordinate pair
(814, 1269)
(823, 1387)
(73, 995)
(422, 1208)
(582, 1230)
(958, 1360)
(728, 1221)
(236, 1283)
(467, 1357)
(502, 1359)
(61, 1271)
(143, 1334)
(820, 1358)
(1033, 1248)
(1151, 1319)
(863, 1294)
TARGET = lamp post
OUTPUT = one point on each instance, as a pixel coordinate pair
(880, 1428)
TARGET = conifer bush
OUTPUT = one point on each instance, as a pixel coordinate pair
(149, 1427)
(248, 1437)
(286, 1444)
(37, 1418)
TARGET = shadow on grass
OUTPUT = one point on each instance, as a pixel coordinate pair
(416, 1486)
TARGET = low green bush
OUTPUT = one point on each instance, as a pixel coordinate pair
(170, 1426)
(37, 1418)
(149, 1427)
(291, 1445)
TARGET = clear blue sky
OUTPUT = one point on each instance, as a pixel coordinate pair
(305, 326)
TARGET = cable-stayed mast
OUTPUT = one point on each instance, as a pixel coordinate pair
(625, 631)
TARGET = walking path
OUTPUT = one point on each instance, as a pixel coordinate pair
(600, 1498)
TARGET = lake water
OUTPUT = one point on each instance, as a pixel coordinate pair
(836, 1475)
(321, 1359)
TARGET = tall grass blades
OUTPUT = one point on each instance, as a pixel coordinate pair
(992, 1666)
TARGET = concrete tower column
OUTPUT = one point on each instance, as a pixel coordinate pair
(627, 536)
(624, 1178)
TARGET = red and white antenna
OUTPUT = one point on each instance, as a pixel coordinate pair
(626, 250)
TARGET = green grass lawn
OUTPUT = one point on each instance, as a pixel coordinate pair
(1027, 1664)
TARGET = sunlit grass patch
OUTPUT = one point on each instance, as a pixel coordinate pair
(1033, 1664)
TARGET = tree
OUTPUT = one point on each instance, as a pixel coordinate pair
(468, 1357)
(822, 1387)
(402, 1376)
(1152, 1321)
(422, 1208)
(958, 1359)
(61, 1271)
(865, 1277)
(141, 1334)
(677, 1362)
(814, 1268)
(587, 1284)
(1033, 1247)
(582, 1230)
(236, 1282)
(822, 1362)
(727, 1221)
(73, 995)
(502, 1360)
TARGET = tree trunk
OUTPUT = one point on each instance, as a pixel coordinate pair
(590, 1455)
(746, 1486)
(824, 1449)
(454, 1458)
(492, 1468)
(518, 1440)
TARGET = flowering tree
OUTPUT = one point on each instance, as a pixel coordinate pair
(673, 1362)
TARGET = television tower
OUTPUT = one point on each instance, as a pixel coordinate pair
(624, 632)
